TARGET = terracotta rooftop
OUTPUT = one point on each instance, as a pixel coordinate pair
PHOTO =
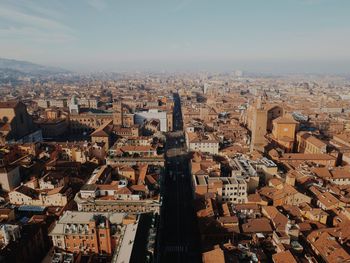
(283, 257)
(214, 256)
(259, 225)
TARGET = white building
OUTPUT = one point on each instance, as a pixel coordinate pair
(74, 106)
(205, 144)
(234, 190)
(227, 189)
(141, 116)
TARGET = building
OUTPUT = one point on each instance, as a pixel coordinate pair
(338, 176)
(9, 177)
(283, 257)
(103, 135)
(90, 232)
(300, 158)
(24, 195)
(53, 128)
(308, 143)
(88, 121)
(24, 242)
(214, 256)
(91, 103)
(134, 151)
(131, 131)
(16, 125)
(118, 113)
(87, 232)
(227, 189)
(283, 132)
(165, 119)
(202, 143)
(74, 106)
(288, 195)
(327, 247)
(9, 233)
(258, 118)
(101, 204)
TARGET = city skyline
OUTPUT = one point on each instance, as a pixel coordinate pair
(299, 36)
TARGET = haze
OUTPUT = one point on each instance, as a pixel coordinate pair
(291, 36)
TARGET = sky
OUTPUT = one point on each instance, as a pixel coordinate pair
(267, 36)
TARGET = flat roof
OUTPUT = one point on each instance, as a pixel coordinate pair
(125, 250)
(76, 217)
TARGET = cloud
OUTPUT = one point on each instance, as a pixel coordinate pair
(97, 4)
(16, 16)
(34, 27)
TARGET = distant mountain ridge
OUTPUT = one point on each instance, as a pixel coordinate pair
(26, 67)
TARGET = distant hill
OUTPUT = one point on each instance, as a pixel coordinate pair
(27, 68)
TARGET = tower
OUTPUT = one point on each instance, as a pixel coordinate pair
(117, 113)
(259, 125)
(73, 105)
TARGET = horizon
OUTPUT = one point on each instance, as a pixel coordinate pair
(293, 37)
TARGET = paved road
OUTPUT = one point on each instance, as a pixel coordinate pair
(178, 239)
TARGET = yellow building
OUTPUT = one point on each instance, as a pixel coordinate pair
(283, 132)
(308, 143)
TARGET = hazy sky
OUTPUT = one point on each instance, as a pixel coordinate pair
(253, 35)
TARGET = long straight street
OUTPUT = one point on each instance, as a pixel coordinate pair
(179, 240)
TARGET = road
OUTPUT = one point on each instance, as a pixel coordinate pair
(178, 233)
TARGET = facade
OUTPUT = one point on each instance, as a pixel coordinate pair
(74, 106)
(258, 118)
(227, 189)
(90, 103)
(336, 175)
(119, 206)
(16, 125)
(205, 144)
(24, 195)
(9, 177)
(88, 232)
(117, 113)
(131, 131)
(298, 158)
(134, 150)
(283, 132)
(87, 122)
(308, 143)
(59, 103)
(288, 195)
(53, 128)
(128, 119)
